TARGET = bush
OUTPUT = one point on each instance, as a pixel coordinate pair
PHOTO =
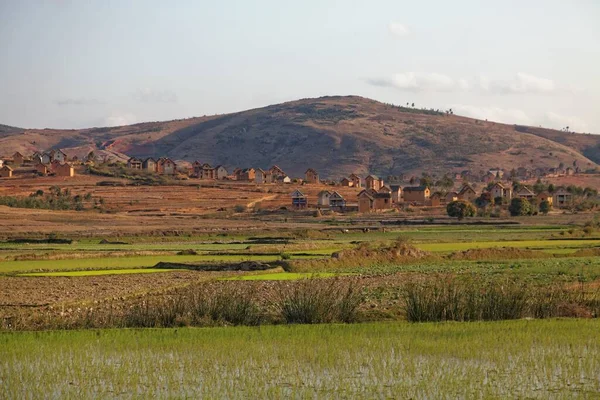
(545, 207)
(239, 208)
(519, 206)
(461, 209)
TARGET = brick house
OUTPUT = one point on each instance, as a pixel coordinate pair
(356, 180)
(416, 194)
(166, 166)
(396, 193)
(499, 190)
(63, 169)
(525, 193)
(544, 196)
(299, 200)
(366, 200)
(206, 172)
(337, 202)
(18, 159)
(311, 176)
(260, 176)
(41, 169)
(6, 172)
(346, 182)
(323, 198)
(221, 172)
(383, 199)
(276, 173)
(134, 163)
(467, 193)
(562, 198)
(149, 164)
(373, 182)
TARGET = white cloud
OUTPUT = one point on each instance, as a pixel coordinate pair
(522, 83)
(558, 121)
(148, 95)
(78, 102)
(398, 29)
(119, 119)
(497, 114)
(418, 81)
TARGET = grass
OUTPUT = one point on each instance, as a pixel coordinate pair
(103, 272)
(511, 359)
(531, 244)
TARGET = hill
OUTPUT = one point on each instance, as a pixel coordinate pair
(336, 135)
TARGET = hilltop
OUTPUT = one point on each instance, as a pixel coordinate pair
(336, 135)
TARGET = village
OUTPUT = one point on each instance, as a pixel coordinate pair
(373, 194)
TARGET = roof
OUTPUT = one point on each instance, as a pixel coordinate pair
(311, 170)
(395, 188)
(344, 179)
(149, 159)
(373, 177)
(415, 188)
(498, 184)
(6, 167)
(524, 189)
(354, 176)
(296, 193)
(323, 193)
(385, 189)
(336, 195)
(365, 193)
(466, 188)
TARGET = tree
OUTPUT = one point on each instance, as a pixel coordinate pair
(460, 209)
(446, 182)
(545, 207)
(426, 181)
(519, 206)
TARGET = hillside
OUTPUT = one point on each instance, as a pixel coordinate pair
(336, 135)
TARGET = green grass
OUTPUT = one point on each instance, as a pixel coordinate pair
(103, 272)
(530, 244)
(514, 359)
(282, 276)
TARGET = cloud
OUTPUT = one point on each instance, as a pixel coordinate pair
(497, 114)
(420, 81)
(78, 102)
(558, 121)
(398, 29)
(119, 119)
(148, 95)
(522, 83)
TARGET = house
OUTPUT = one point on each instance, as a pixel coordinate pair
(41, 169)
(544, 196)
(276, 173)
(248, 174)
(57, 155)
(18, 159)
(196, 167)
(437, 199)
(63, 169)
(166, 166)
(396, 193)
(346, 182)
(46, 158)
(221, 172)
(499, 190)
(299, 200)
(205, 172)
(525, 193)
(467, 193)
(36, 158)
(451, 196)
(6, 172)
(337, 202)
(569, 171)
(284, 179)
(311, 176)
(356, 180)
(383, 199)
(562, 198)
(134, 163)
(149, 164)
(323, 198)
(260, 176)
(366, 200)
(373, 182)
(416, 194)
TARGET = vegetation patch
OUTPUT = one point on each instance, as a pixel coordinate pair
(103, 272)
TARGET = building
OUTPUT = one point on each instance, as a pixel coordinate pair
(205, 172)
(6, 172)
(166, 166)
(311, 176)
(383, 199)
(221, 172)
(134, 163)
(356, 180)
(525, 193)
(544, 196)
(416, 194)
(18, 159)
(65, 169)
(562, 198)
(499, 190)
(467, 193)
(346, 182)
(323, 198)
(276, 173)
(337, 202)
(248, 174)
(366, 200)
(260, 176)
(149, 164)
(299, 200)
(396, 193)
(57, 155)
(41, 169)
(284, 179)
(373, 182)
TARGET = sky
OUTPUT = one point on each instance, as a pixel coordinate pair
(76, 64)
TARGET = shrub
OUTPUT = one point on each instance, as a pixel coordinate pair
(519, 206)
(460, 209)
